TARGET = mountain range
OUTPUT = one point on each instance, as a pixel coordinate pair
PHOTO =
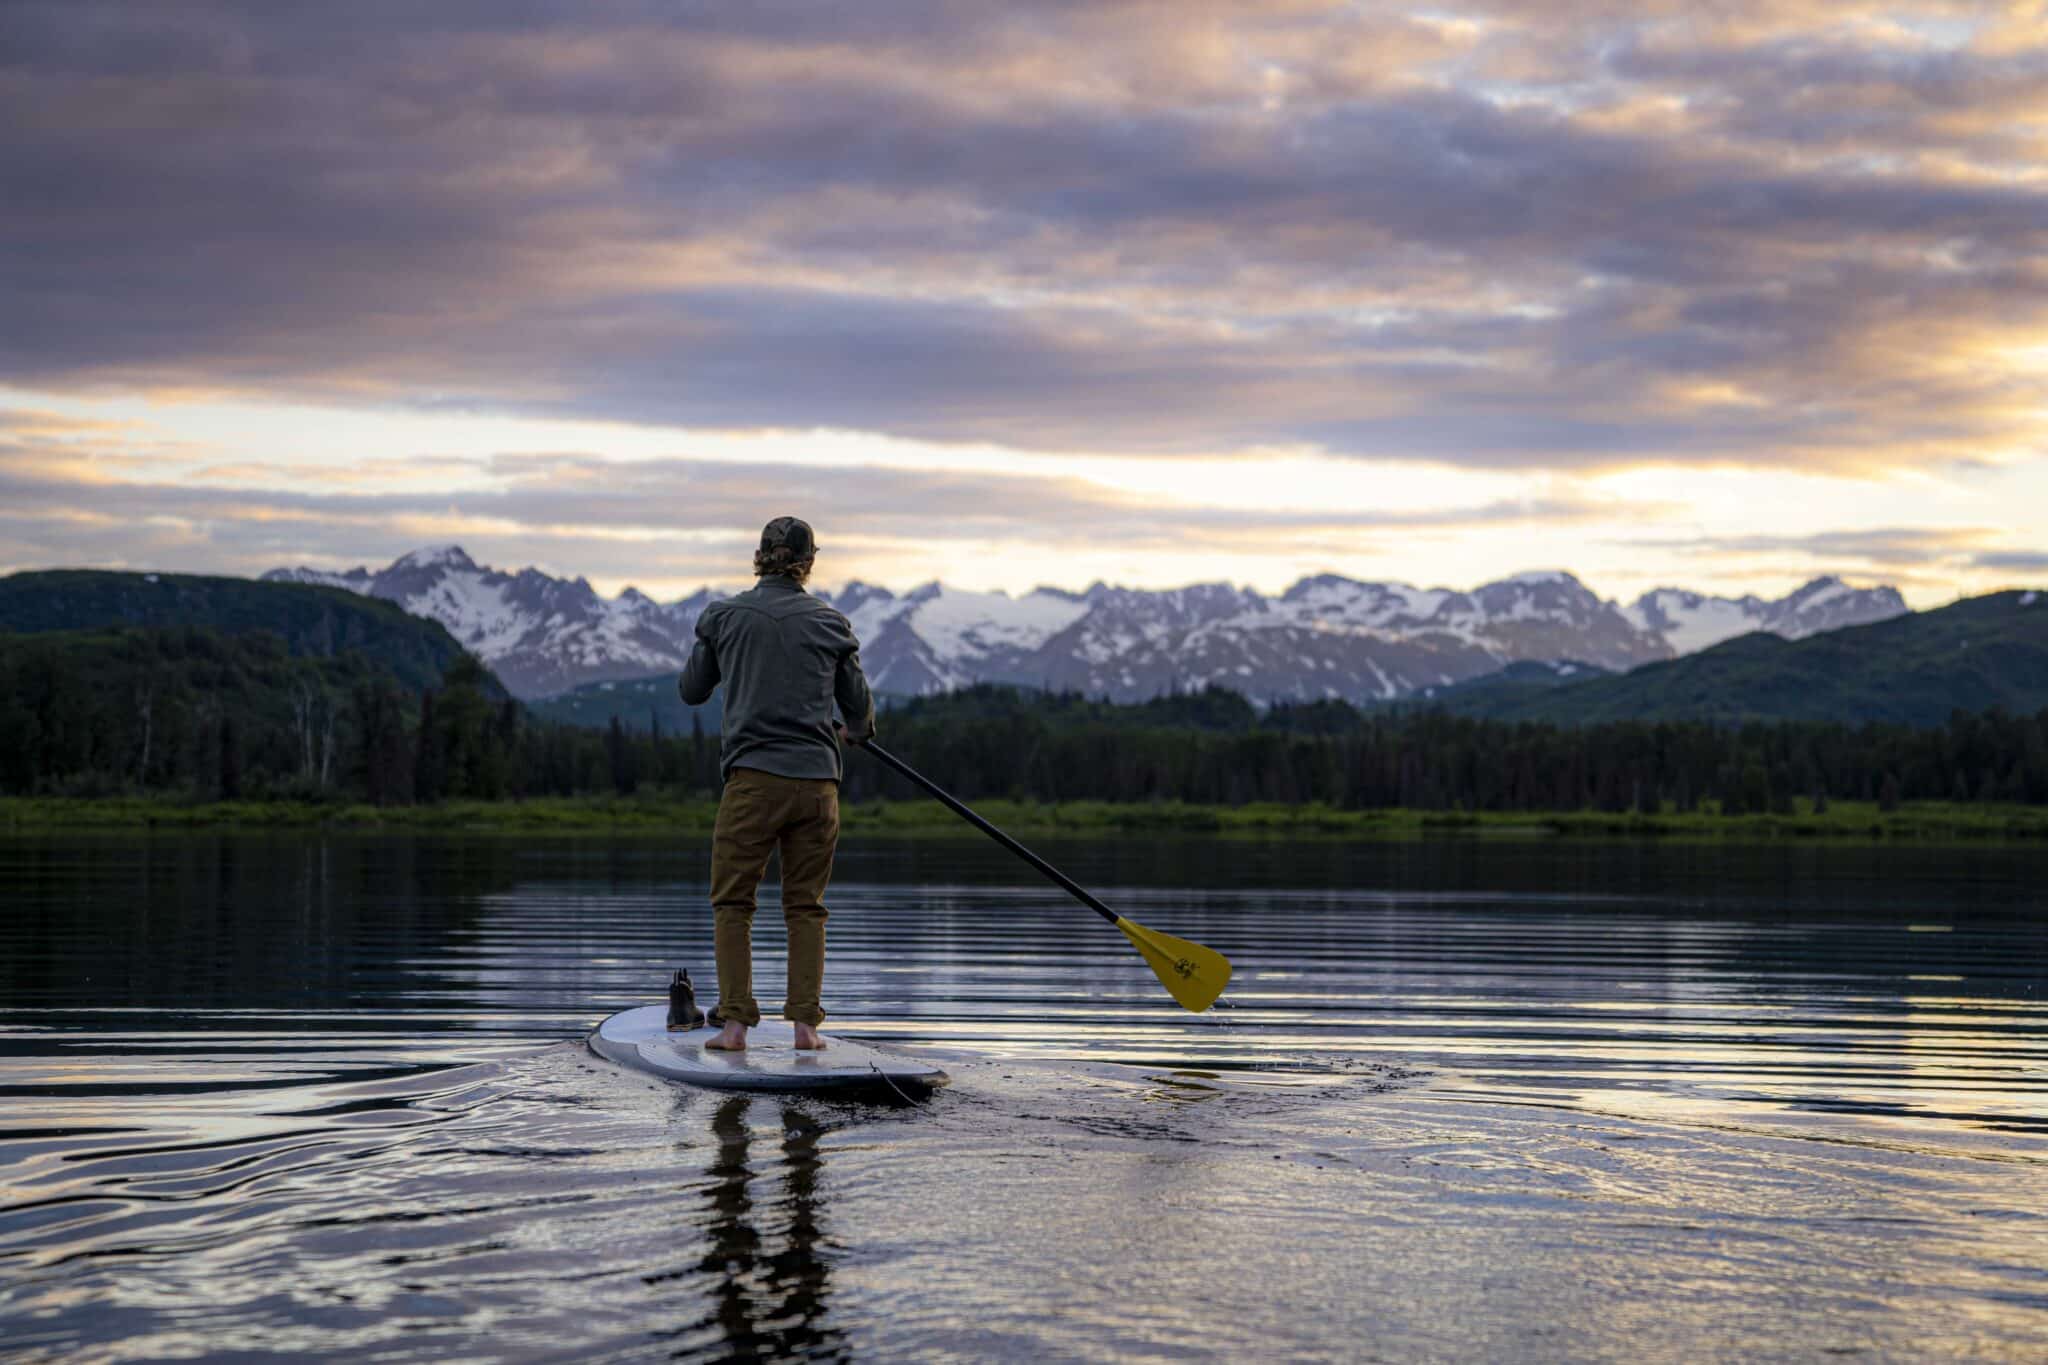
(1972, 655)
(1324, 637)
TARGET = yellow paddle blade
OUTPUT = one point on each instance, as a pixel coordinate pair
(1194, 975)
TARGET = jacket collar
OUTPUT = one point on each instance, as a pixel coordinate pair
(775, 582)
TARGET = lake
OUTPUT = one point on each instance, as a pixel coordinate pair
(327, 1097)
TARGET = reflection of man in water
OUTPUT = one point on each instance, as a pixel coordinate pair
(769, 1301)
(785, 657)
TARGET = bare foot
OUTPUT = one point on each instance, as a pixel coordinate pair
(731, 1038)
(807, 1039)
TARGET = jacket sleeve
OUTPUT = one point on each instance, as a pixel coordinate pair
(850, 690)
(700, 674)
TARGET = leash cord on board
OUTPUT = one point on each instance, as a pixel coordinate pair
(891, 1084)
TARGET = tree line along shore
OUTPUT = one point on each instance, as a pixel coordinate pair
(192, 725)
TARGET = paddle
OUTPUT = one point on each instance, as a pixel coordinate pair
(1192, 974)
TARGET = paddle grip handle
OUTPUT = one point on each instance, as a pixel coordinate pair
(959, 808)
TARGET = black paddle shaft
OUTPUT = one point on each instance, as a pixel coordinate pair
(959, 808)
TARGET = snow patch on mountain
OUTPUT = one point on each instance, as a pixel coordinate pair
(960, 636)
(1690, 622)
(355, 580)
(476, 610)
(1332, 603)
(967, 625)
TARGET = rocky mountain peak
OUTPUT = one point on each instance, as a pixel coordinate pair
(435, 557)
(857, 594)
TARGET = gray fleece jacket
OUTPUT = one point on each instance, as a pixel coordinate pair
(785, 657)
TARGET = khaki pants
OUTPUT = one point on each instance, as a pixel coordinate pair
(758, 813)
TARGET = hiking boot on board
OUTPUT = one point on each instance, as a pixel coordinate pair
(683, 1014)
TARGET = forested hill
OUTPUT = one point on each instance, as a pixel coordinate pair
(312, 622)
(639, 704)
(222, 687)
(1977, 654)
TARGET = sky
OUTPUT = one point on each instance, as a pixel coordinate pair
(1722, 295)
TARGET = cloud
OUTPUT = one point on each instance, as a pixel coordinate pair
(2025, 561)
(18, 424)
(1537, 236)
(1892, 547)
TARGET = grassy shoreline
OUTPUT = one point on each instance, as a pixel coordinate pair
(1843, 821)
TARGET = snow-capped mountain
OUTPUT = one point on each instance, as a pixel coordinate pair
(1690, 622)
(1326, 636)
(935, 637)
(540, 634)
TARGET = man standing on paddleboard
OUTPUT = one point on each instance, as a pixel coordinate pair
(785, 658)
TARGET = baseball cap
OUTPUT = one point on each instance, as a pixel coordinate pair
(792, 534)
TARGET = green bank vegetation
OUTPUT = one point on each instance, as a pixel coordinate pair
(657, 814)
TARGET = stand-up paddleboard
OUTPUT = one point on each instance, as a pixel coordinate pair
(640, 1039)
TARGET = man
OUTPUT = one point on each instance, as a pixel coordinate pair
(785, 657)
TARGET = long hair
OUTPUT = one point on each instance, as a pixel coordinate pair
(781, 562)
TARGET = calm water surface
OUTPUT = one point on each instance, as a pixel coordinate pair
(326, 1097)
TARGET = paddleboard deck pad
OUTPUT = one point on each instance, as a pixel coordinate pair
(640, 1039)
